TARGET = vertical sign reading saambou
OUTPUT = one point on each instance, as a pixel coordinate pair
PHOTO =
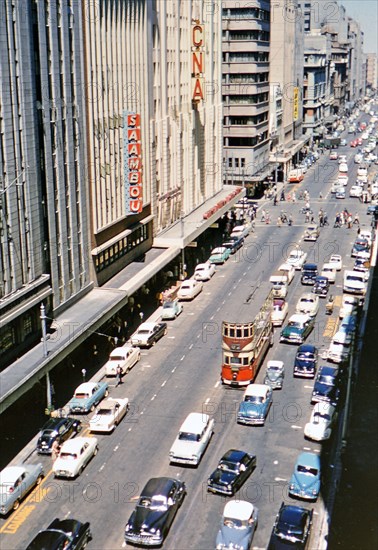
(133, 169)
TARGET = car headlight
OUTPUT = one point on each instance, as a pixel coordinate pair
(314, 491)
(127, 528)
(229, 486)
(291, 486)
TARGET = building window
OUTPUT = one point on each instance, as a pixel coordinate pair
(28, 324)
(236, 163)
(242, 162)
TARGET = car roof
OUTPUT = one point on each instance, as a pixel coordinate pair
(148, 326)
(257, 389)
(309, 459)
(238, 509)
(308, 296)
(54, 423)
(299, 317)
(203, 266)
(327, 370)
(239, 228)
(234, 456)
(274, 363)
(293, 515)
(11, 474)
(120, 350)
(310, 266)
(309, 348)
(218, 250)
(158, 486)
(329, 265)
(67, 525)
(285, 267)
(194, 423)
(86, 387)
(321, 279)
(53, 540)
(72, 445)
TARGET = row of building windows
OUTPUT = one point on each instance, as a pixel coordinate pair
(120, 248)
(241, 57)
(246, 13)
(245, 78)
(245, 120)
(252, 99)
(247, 141)
(246, 35)
(234, 162)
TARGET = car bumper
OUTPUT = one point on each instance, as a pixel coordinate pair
(287, 340)
(183, 460)
(236, 383)
(250, 421)
(64, 473)
(303, 373)
(302, 494)
(44, 450)
(144, 540)
(219, 489)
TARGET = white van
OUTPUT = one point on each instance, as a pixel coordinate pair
(279, 282)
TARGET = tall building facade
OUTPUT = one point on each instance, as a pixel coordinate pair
(357, 81)
(43, 195)
(245, 86)
(371, 70)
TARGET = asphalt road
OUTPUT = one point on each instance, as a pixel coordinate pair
(180, 375)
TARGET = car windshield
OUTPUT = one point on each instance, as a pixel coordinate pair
(81, 395)
(327, 380)
(228, 466)
(234, 523)
(273, 368)
(305, 356)
(143, 331)
(116, 358)
(295, 324)
(157, 502)
(187, 436)
(254, 399)
(307, 470)
(307, 300)
(68, 456)
(168, 305)
(319, 418)
(104, 412)
(50, 432)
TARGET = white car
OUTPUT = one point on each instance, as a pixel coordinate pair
(288, 270)
(336, 185)
(320, 426)
(279, 312)
(342, 179)
(204, 272)
(192, 440)
(297, 258)
(189, 289)
(124, 357)
(349, 305)
(362, 171)
(333, 155)
(108, 415)
(343, 168)
(329, 271)
(308, 303)
(74, 455)
(358, 158)
(374, 188)
(337, 260)
(339, 347)
(355, 191)
(342, 159)
(366, 234)
(241, 231)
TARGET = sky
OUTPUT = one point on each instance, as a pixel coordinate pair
(366, 13)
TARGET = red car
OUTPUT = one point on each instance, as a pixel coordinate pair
(354, 143)
(359, 141)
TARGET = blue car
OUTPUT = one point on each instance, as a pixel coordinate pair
(87, 396)
(219, 255)
(255, 406)
(305, 481)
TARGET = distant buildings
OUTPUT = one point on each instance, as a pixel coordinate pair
(371, 70)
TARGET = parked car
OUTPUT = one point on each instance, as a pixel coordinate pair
(171, 310)
(298, 328)
(148, 334)
(305, 481)
(234, 244)
(219, 255)
(255, 406)
(238, 525)
(333, 155)
(360, 245)
(339, 348)
(67, 534)
(74, 455)
(125, 357)
(232, 471)
(56, 429)
(87, 396)
(329, 271)
(366, 234)
(274, 374)
(279, 312)
(109, 414)
(336, 185)
(319, 428)
(349, 305)
(297, 258)
(312, 232)
(204, 272)
(321, 286)
(308, 274)
(241, 230)
(192, 440)
(288, 270)
(326, 385)
(155, 511)
(16, 482)
(308, 303)
(305, 361)
(372, 209)
(337, 260)
(363, 266)
(340, 193)
(342, 179)
(291, 529)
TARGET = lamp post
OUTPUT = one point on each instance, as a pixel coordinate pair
(183, 266)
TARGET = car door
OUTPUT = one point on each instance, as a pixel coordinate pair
(65, 431)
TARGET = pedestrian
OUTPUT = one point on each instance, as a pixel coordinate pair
(307, 218)
(325, 220)
(282, 198)
(275, 200)
(118, 375)
(279, 221)
(263, 215)
(294, 197)
(341, 218)
(312, 219)
(321, 221)
(307, 205)
(290, 220)
(141, 316)
(356, 219)
(55, 449)
(349, 221)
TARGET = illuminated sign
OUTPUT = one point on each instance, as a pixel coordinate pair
(198, 46)
(295, 103)
(133, 167)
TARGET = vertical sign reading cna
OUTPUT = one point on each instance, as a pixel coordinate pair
(133, 168)
(198, 46)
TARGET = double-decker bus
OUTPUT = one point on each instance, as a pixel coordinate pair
(244, 346)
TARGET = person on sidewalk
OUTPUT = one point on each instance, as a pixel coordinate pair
(119, 376)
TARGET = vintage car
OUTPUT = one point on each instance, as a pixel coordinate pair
(312, 232)
(355, 191)
(87, 396)
(204, 272)
(74, 455)
(305, 481)
(255, 406)
(297, 329)
(362, 265)
(340, 193)
(308, 303)
(234, 244)
(326, 387)
(297, 258)
(274, 374)
(171, 310)
(219, 255)
(339, 348)
(124, 357)
(305, 361)
(16, 482)
(67, 534)
(308, 274)
(241, 230)
(366, 234)
(329, 271)
(279, 312)
(319, 427)
(291, 528)
(232, 471)
(288, 270)
(192, 440)
(56, 429)
(109, 414)
(189, 289)
(155, 511)
(333, 155)
(321, 286)
(349, 305)
(360, 245)
(148, 334)
(238, 525)
(337, 260)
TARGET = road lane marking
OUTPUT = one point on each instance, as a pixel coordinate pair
(11, 527)
(153, 397)
(307, 448)
(102, 467)
(182, 358)
(296, 427)
(330, 328)
(212, 317)
(116, 448)
(171, 337)
(163, 383)
(217, 384)
(207, 400)
(191, 345)
(280, 479)
(308, 387)
(191, 313)
(173, 370)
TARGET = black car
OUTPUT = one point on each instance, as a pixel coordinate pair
(305, 361)
(326, 387)
(309, 272)
(372, 209)
(291, 529)
(56, 429)
(360, 245)
(233, 469)
(321, 286)
(234, 243)
(157, 506)
(67, 534)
